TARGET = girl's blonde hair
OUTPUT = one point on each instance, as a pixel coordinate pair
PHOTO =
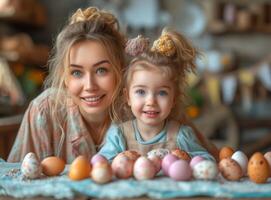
(172, 54)
(87, 24)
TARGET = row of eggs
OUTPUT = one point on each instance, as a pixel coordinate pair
(176, 164)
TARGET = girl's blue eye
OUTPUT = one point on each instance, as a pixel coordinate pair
(101, 71)
(76, 73)
(163, 93)
(140, 92)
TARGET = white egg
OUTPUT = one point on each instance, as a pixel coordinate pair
(206, 170)
(242, 160)
(31, 167)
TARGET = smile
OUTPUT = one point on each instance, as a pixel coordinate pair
(93, 100)
(151, 114)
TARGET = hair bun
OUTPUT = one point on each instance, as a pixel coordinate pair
(93, 13)
(164, 45)
(137, 45)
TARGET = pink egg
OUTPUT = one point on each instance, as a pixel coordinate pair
(180, 170)
(156, 161)
(195, 160)
(98, 158)
(122, 166)
(144, 169)
(167, 161)
(101, 172)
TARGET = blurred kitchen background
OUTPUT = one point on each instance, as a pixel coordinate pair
(228, 98)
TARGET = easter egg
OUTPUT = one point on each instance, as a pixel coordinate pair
(205, 170)
(242, 160)
(267, 156)
(225, 152)
(181, 154)
(97, 158)
(156, 161)
(180, 170)
(133, 155)
(52, 166)
(144, 169)
(258, 168)
(80, 169)
(160, 152)
(31, 167)
(167, 161)
(195, 160)
(102, 172)
(122, 166)
(230, 169)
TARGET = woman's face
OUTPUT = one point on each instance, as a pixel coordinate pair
(91, 81)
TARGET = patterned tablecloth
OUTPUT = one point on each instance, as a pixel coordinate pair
(13, 184)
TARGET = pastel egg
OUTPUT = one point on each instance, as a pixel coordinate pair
(80, 169)
(122, 166)
(258, 168)
(102, 173)
(195, 160)
(180, 170)
(205, 170)
(31, 167)
(156, 161)
(160, 152)
(144, 169)
(267, 156)
(52, 166)
(131, 154)
(98, 158)
(242, 160)
(230, 169)
(167, 161)
(181, 154)
(225, 152)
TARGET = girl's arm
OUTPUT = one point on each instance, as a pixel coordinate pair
(114, 143)
(188, 141)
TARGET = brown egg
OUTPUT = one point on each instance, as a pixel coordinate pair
(133, 155)
(52, 166)
(230, 169)
(80, 168)
(225, 152)
(181, 154)
(258, 168)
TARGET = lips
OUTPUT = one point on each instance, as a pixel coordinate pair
(93, 100)
(151, 114)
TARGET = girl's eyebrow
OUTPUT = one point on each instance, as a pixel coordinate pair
(95, 65)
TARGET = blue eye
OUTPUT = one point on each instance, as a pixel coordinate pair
(101, 71)
(76, 73)
(140, 92)
(163, 93)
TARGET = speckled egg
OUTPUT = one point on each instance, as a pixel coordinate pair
(242, 160)
(102, 172)
(195, 160)
(180, 170)
(80, 169)
(258, 168)
(181, 154)
(97, 158)
(160, 152)
(167, 161)
(230, 169)
(144, 169)
(156, 161)
(122, 166)
(52, 166)
(205, 170)
(267, 156)
(225, 152)
(31, 167)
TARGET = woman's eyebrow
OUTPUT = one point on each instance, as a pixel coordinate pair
(95, 65)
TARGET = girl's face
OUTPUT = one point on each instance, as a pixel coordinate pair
(91, 81)
(151, 97)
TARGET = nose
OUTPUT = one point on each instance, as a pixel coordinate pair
(151, 100)
(90, 82)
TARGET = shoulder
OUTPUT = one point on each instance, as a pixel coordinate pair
(186, 131)
(44, 99)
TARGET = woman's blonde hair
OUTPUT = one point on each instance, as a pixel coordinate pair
(87, 24)
(172, 54)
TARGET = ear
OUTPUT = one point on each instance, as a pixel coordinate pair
(126, 96)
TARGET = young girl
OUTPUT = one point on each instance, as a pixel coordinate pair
(154, 91)
(71, 116)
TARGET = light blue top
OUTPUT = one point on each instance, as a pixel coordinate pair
(186, 140)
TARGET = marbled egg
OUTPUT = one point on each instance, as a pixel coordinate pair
(80, 169)
(180, 170)
(242, 160)
(230, 169)
(267, 156)
(258, 168)
(161, 153)
(31, 167)
(156, 161)
(144, 169)
(195, 160)
(122, 166)
(167, 161)
(98, 158)
(205, 170)
(102, 172)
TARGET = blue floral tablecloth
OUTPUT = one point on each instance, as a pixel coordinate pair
(13, 184)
